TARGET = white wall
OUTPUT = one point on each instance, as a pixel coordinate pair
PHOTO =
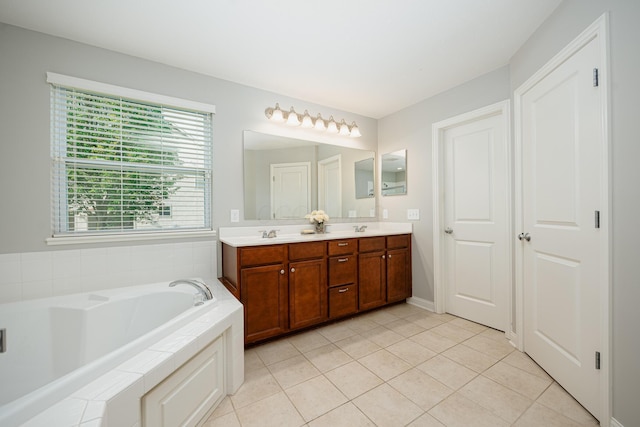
(411, 129)
(569, 20)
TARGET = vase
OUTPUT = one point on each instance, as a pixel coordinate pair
(319, 226)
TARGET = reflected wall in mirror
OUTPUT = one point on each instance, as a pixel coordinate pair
(394, 173)
(286, 178)
(364, 178)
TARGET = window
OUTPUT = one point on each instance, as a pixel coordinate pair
(126, 162)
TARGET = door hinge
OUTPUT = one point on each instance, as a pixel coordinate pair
(597, 219)
(597, 360)
(595, 77)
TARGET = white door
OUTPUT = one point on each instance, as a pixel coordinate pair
(476, 221)
(290, 190)
(562, 180)
(330, 186)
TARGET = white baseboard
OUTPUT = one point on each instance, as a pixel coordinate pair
(422, 303)
(615, 423)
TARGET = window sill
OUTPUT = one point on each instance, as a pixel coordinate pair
(79, 240)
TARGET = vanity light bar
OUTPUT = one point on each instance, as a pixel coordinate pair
(305, 120)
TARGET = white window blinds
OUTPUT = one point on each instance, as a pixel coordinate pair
(121, 165)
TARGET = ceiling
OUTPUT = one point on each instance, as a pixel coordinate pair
(369, 57)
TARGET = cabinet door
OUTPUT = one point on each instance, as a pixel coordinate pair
(373, 276)
(264, 296)
(398, 275)
(307, 293)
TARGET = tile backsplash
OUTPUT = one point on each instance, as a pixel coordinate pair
(44, 274)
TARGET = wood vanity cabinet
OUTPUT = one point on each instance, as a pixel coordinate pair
(307, 284)
(285, 287)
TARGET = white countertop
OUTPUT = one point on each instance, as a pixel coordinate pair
(252, 236)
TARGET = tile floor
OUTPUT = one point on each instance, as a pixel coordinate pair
(399, 366)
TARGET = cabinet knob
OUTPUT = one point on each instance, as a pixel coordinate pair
(282, 271)
(383, 257)
(389, 255)
(293, 270)
(341, 291)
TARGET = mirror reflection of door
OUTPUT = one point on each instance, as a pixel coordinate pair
(290, 190)
(330, 186)
(364, 178)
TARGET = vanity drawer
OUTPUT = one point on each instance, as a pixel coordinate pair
(299, 251)
(263, 255)
(343, 300)
(342, 270)
(372, 244)
(401, 241)
(342, 247)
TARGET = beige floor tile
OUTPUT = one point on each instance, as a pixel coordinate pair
(308, 341)
(382, 317)
(493, 334)
(336, 331)
(539, 415)
(384, 364)
(293, 371)
(472, 359)
(276, 351)
(445, 317)
(274, 411)
(385, 406)
(498, 399)
(315, 397)
(426, 420)
(426, 321)
(453, 332)
(528, 385)
(420, 388)
(252, 360)
(404, 327)
(353, 379)
(433, 341)
(524, 362)
(382, 336)
(448, 372)
(347, 415)
(360, 324)
(328, 357)
(411, 352)
(357, 346)
(474, 327)
(228, 420)
(490, 347)
(258, 384)
(404, 310)
(556, 398)
(225, 407)
(458, 411)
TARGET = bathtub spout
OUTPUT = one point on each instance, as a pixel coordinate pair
(201, 287)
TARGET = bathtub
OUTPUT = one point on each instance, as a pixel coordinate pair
(77, 354)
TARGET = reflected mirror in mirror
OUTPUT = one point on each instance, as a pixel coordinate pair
(394, 173)
(286, 178)
(364, 179)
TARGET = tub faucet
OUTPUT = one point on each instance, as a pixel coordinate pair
(201, 287)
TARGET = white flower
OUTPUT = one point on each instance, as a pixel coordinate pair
(317, 217)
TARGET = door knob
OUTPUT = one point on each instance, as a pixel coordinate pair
(524, 236)
(448, 230)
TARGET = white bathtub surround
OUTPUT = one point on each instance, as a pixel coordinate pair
(30, 275)
(118, 380)
(252, 236)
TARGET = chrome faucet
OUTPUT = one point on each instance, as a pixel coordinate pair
(269, 235)
(360, 229)
(201, 287)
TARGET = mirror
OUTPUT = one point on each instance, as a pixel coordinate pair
(394, 173)
(287, 178)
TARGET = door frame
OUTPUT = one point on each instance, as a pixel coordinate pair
(437, 159)
(599, 30)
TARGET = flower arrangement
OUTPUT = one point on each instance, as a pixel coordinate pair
(318, 219)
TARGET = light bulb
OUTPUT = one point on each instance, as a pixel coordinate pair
(307, 121)
(332, 126)
(320, 125)
(292, 118)
(355, 132)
